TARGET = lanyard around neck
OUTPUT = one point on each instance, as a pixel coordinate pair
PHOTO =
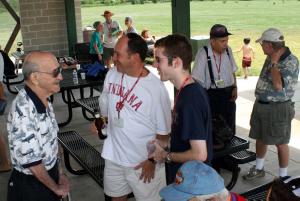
(120, 104)
(178, 92)
(220, 63)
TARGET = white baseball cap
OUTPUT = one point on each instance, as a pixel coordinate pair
(272, 35)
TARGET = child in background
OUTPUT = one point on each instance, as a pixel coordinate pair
(248, 55)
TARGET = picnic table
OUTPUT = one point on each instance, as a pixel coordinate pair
(66, 88)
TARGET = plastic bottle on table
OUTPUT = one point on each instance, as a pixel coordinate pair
(75, 77)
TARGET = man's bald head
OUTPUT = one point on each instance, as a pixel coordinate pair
(37, 61)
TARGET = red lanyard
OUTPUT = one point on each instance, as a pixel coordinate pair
(109, 27)
(220, 62)
(178, 92)
(120, 104)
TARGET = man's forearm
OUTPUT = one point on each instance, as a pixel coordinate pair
(40, 172)
(163, 140)
(188, 155)
(276, 77)
(198, 151)
(234, 80)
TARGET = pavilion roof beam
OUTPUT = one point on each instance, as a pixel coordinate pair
(17, 27)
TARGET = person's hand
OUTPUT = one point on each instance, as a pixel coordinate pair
(234, 94)
(276, 55)
(93, 128)
(63, 180)
(63, 186)
(159, 155)
(99, 57)
(148, 169)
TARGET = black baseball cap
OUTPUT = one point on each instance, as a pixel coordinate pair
(218, 31)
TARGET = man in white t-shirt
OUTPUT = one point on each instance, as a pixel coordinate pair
(138, 109)
(112, 30)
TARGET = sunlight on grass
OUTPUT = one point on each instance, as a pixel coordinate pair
(243, 19)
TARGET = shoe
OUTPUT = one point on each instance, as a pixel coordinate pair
(254, 173)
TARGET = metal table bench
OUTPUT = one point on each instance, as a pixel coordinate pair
(89, 105)
(259, 193)
(11, 80)
(86, 155)
(231, 156)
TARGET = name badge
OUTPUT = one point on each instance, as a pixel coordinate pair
(220, 83)
(119, 122)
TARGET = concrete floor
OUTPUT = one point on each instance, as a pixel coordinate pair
(83, 188)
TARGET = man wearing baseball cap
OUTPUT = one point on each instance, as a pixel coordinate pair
(273, 109)
(215, 69)
(196, 181)
(112, 30)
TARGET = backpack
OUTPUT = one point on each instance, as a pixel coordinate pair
(285, 189)
(94, 71)
(221, 132)
(9, 67)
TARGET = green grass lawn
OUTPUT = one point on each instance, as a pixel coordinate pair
(243, 19)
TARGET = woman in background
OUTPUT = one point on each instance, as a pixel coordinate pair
(96, 43)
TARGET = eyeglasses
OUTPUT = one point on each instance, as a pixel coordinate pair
(159, 59)
(54, 73)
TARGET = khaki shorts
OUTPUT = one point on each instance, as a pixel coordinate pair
(120, 181)
(271, 122)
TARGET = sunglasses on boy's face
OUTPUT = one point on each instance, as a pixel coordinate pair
(54, 73)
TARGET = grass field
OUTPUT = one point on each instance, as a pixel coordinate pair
(243, 19)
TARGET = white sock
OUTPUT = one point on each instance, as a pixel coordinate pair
(260, 163)
(283, 172)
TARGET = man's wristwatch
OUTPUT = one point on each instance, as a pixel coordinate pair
(168, 157)
(274, 65)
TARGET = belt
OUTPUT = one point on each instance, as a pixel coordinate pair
(271, 102)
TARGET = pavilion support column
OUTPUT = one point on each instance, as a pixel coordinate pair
(181, 17)
(71, 24)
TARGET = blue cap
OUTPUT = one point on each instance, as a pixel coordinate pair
(192, 179)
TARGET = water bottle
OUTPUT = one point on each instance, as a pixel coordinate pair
(75, 77)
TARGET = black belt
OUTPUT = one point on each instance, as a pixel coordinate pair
(271, 102)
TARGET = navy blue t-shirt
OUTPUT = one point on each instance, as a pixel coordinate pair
(191, 121)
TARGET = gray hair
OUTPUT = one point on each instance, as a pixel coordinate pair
(29, 67)
(278, 45)
(219, 196)
(128, 18)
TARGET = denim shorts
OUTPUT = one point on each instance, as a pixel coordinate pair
(271, 122)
